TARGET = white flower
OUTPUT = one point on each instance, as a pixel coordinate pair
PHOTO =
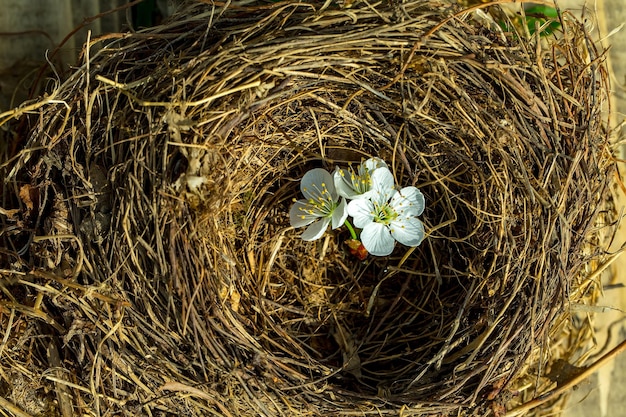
(320, 207)
(384, 221)
(360, 184)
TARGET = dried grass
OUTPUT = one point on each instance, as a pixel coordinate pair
(148, 263)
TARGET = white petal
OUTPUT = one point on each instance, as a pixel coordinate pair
(316, 230)
(377, 239)
(365, 195)
(340, 214)
(409, 199)
(362, 212)
(382, 186)
(408, 231)
(383, 177)
(314, 181)
(374, 163)
(298, 215)
(344, 188)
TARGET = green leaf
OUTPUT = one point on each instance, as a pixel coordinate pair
(544, 17)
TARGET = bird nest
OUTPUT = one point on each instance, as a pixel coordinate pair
(149, 266)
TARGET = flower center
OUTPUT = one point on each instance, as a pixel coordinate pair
(322, 203)
(361, 182)
(384, 213)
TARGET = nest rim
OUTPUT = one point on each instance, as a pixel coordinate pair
(288, 316)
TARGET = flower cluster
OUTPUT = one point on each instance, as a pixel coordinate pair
(382, 212)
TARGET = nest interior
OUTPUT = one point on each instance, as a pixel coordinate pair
(148, 263)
